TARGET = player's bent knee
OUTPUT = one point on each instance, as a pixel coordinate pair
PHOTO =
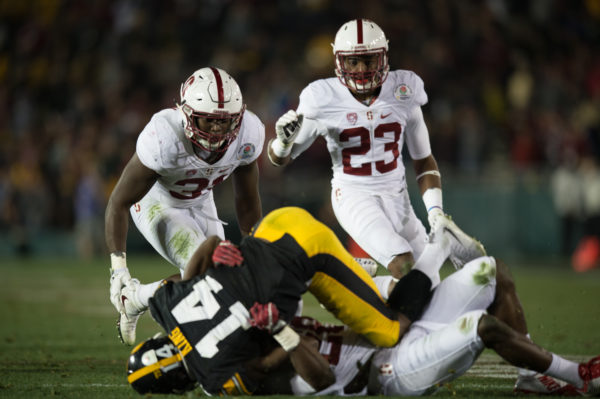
(483, 270)
(491, 330)
(504, 279)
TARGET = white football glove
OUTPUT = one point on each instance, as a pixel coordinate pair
(435, 217)
(118, 280)
(287, 127)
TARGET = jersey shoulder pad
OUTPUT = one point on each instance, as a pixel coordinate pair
(160, 142)
(251, 139)
(408, 87)
(317, 96)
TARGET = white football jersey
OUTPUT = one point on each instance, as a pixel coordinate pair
(346, 352)
(365, 142)
(185, 179)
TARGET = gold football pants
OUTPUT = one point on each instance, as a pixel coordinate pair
(340, 283)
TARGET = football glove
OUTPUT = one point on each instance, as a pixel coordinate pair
(227, 254)
(118, 280)
(286, 128)
(265, 316)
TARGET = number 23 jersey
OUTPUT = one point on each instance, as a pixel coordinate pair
(365, 142)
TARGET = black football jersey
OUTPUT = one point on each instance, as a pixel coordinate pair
(207, 317)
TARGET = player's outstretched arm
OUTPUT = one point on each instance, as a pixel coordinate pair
(305, 357)
(134, 183)
(430, 185)
(248, 206)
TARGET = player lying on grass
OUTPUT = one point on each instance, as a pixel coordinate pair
(288, 252)
(475, 308)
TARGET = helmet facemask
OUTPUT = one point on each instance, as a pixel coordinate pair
(199, 128)
(367, 80)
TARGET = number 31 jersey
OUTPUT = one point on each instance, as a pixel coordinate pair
(185, 179)
(365, 142)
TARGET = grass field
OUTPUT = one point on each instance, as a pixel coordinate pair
(58, 337)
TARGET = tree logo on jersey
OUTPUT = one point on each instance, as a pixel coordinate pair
(403, 92)
(352, 117)
(246, 151)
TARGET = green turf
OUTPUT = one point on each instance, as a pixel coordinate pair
(58, 337)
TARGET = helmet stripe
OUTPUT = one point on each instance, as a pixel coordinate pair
(219, 87)
(359, 31)
(144, 371)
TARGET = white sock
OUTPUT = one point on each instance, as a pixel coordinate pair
(383, 285)
(565, 370)
(430, 262)
(526, 372)
(146, 291)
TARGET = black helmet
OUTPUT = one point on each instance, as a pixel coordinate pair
(156, 366)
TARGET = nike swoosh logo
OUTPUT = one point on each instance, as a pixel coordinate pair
(385, 116)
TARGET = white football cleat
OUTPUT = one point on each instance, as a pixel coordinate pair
(463, 247)
(539, 384)
(590, 374)
(368, 264)
(127, 321)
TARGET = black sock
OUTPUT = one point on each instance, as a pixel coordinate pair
(411, 294)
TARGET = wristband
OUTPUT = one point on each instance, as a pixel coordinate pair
(287, 338)
(118, 260)
(432, 198)
(280, 149)
(273, 162)
(429, 172)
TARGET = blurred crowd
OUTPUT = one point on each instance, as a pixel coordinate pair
(513, 86)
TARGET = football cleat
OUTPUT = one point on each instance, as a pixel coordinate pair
(463, 247)
(539, 384)
(590, 374)
(368, 264)
(127, 321)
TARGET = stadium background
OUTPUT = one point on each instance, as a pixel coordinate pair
(514, 91)
(514, 120)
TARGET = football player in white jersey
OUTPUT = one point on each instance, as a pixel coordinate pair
(474, 308)
(366, 115)
(181, 154)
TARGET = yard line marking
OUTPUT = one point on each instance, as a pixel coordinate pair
(82, 385)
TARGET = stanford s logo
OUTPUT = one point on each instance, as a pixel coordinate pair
(352, 117)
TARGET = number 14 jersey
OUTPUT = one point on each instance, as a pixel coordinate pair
(365, 142)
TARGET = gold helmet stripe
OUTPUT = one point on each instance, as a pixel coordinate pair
(144, 371)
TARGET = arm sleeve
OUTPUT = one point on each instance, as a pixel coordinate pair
(311, 129)
(311, 126)
(256, 137)
(417, 135)
(148, 149)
